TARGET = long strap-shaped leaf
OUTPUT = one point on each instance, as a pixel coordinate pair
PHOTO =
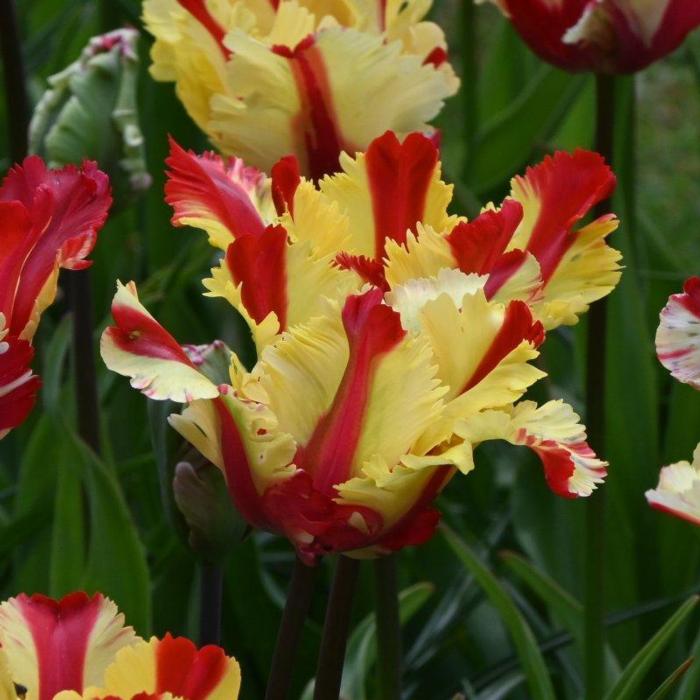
(628, 683)
(524, 640)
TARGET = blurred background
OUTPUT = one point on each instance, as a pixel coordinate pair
(70, 519)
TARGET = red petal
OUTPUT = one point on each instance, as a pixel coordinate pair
(18, 386)
(286, 177)
(65, 209)
(207, 186)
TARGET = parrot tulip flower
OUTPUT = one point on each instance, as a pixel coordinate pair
(387, 351)
(604, 36)
(78, 648)
(50, 220)
(678, 349)
(311, 79)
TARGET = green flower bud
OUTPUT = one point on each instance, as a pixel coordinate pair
(214, 524)
(90, 111)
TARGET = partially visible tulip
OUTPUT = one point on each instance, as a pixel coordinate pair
(264, 80)
(678, 491)
(49, 219)
(90, 110)
(79, 648)
(604, 36)
(678, 334)
(678, 349)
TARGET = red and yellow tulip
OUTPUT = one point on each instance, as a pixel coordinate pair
(275, 77)
(678, 349)
(386, 352)
(49, 220)
(79, 648)
(604, 36)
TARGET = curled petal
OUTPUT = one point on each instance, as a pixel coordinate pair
(50, 219)
(140, 348)
(678, 491)
(554, 433)
(226, 199)
(678, 335)
(61, 645)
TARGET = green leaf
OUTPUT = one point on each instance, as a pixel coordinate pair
(68, 532)
(670, 683)
(116, 562)
(632, 676)
(524, 640)
(508, 140)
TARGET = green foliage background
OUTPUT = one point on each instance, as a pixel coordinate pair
(504, 583)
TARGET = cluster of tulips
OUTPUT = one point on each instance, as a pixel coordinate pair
(393, 335)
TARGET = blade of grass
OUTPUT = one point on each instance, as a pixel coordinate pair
(523, 638)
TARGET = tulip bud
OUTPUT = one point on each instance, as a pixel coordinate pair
(202, 497)
(90, 111)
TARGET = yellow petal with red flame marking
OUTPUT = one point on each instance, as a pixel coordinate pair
(333, 92)
(268, 451)
(61, 645)
(577, 266)
(387, 191)
(481, 348)
(276, 285)
(678, 490)
(140, 348)
(175, 666)
(304, 372)
(554, 433)
(98, 694)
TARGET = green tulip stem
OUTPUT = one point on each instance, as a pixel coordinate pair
(210, 602)
(296, 609)
(594, 594)
(84, 371)
(470, 74)
(388, 627)
(331, 658)
(16, 96)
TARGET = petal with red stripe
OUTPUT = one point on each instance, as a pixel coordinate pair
(50, 219)
(276, 284)
(678, 334)
(554, 433)
(387, 191)
(61, 645)
(577, 266)
(140, 348)
(335, 91)
(173, 665)
(225, 198)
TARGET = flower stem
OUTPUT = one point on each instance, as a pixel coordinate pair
(331, 658)
(299, 596)
(16, 96)
(85, 372)
(210, 600)
(594, 595)
(388, 627)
